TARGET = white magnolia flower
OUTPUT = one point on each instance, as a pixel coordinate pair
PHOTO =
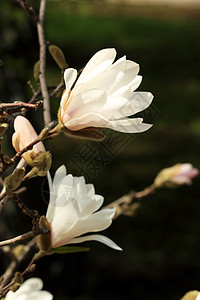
(72, 211)
(104, 95)
(31, 289)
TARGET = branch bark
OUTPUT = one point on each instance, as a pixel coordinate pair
(18, 238)
(42, 75)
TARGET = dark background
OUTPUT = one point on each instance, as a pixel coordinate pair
(161, 243)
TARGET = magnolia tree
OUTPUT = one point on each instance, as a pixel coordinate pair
(101, 95)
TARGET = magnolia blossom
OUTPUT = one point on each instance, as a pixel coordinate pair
(23, 136)
(31, 289)
(72, 211)
(176, 175)
(104, 95)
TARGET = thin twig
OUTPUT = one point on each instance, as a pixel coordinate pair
(28, 9)
(42, 75)
(18, 238)
(5, 197)
(57, 89)
(14, 264)
(126, 202)
(19, 104)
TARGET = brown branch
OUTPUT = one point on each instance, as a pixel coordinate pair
(57, 89)
(42, 75)
(5, 197)
(14, 264)
(128, 203)
(28, 9)
(18, 238)
(20, 104)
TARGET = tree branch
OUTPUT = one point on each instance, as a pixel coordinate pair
(14, 264)
(42, 75)
(18, 238)
(128, 203)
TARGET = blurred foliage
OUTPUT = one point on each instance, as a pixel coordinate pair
(162, 242)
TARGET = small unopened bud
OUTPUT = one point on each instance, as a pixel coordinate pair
(32, 268)
(3, 115)
(18, 277)
(177, 175)
(41, 163)
(36, 70)
(15, 287)
(13, 181)
(44, 240)
(3, 127)
(58, 56)
(192, 295)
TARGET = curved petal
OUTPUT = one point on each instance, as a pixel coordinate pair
(140, 101)
(90, 205)
(97, 64)
(26, 134)
(64, 219)
(135, 83)
(128, 125)
(91, 101)
(40, 295)
(87, 120)
(96, 237)
(15, 141)
(59, 175)
(95, 222)
(35, 284)
(70, 75)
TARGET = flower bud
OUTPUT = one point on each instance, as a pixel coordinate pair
(3, 127)
(13, 181)
(44, 240)
(41, 163)
(23, 136)
(192, 295)
(58, 56)
(176, 175)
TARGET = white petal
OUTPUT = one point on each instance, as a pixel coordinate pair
(87, 120)
(59, 175)
(92, 101)
(95, 222)
(135, 83)
(97, 64)
(96, 237)
(69, 77)
(90, 205)
(35, 284)
(126, 78)
(128, 125)
(115, 108)
(140, 101)
(65, 218)
(40, 295)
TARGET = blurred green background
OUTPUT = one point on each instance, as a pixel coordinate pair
(161, 242)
